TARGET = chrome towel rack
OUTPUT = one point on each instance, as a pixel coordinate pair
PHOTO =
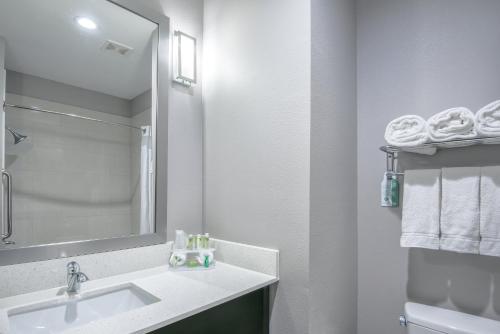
(392, 152)
(391, 161)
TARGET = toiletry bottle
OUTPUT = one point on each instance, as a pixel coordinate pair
(207, 240)
(394, 191)
(385, 191)
(195, 242)
(204, 242)
(190, 245)
(206, 263)
(180, 239)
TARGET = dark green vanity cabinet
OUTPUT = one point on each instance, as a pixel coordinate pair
(248, 314)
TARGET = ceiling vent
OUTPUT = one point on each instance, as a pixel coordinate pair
(116, 47)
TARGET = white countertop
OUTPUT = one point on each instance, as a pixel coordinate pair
(182, 294)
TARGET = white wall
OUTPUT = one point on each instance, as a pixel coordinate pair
(420, 57)
(333, 173)
(185, 146)
(257, 122)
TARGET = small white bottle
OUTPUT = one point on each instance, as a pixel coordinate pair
(180, 239)
(199, 241)
(207, 240)
(385, 191)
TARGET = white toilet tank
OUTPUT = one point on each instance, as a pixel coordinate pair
(423, 319)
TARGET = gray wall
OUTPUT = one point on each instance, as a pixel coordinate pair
(185, 146)
(333, 173)
(48, 90)
(257, 122)
(420, 57)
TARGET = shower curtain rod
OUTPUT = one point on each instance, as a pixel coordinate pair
(36, 109)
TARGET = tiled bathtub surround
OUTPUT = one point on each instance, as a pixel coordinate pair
(73, 179)
(19, 279)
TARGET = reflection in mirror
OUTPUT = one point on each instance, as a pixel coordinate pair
(83, 166)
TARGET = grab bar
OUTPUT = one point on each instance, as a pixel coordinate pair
(9, 208)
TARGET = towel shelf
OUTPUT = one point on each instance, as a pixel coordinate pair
(427, 148)
(392, 153)
(432, 148)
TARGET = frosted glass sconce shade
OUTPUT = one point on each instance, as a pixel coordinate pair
(184, 58)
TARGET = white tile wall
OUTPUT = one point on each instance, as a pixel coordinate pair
(73, 179)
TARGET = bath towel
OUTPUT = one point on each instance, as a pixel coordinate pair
(488, 120)
(421, 199)
(490, 211)
(452, 124)
(407, 131)
(460, 209)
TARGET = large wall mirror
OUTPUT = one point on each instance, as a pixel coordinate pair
(80, 125)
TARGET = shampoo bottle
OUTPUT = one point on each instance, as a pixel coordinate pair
(385, 191)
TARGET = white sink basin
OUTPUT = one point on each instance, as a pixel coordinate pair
(61, 314)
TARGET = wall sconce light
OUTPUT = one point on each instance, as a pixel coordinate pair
(184, 59)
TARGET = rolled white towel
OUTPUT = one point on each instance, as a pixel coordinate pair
(488, 120)
(452, 124)
(407, 131)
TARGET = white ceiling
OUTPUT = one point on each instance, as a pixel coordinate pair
(43, 40)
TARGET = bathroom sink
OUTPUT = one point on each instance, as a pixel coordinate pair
(58, 315)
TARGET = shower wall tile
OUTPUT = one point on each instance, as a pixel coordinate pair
(23, 233)
(74, 179)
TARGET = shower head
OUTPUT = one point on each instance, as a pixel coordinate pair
(17, 136)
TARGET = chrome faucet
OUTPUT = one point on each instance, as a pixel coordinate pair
(75, 277)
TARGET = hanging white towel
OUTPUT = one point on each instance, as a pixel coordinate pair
(460, 209)
(488, 120)
(452, 124)
(421, 200)
(490, 211)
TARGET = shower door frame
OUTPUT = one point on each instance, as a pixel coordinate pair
(9, 254)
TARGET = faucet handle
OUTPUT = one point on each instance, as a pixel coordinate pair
(81, 277)
(73, 267)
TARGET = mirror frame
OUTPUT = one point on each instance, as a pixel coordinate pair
(160, 83)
